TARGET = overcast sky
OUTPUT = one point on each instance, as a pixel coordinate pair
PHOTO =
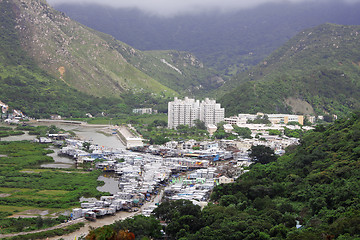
(172, 7)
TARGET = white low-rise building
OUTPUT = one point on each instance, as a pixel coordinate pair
(224, 180)
(211, 128)
(242, 119)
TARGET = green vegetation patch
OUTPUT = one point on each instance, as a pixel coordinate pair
(13, 190)
(10, 133)
(53, 192)
(27, 187)
(137, 227)
(158, 133)
(45, 234)
(11, 210)
(315, 184)
(318, 66)
(128, 118)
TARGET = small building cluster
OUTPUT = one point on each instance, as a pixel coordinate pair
(141, 176)
(144, 111)
(241, 119)
(13, 116)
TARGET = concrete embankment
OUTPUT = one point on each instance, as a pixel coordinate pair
(128, 138)
(80, 123)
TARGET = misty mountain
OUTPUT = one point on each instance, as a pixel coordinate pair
(316, 72)
(228, 41)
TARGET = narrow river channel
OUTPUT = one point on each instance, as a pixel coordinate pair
(97, 135)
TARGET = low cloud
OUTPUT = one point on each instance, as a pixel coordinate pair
(174, 7)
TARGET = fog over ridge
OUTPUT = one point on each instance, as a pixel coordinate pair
(175, 7)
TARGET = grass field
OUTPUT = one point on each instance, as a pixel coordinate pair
(143, 119)
(28, 190)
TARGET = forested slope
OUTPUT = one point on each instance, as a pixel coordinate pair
(316, 184)
(318, 67)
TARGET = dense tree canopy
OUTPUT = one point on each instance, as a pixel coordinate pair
(262, 154)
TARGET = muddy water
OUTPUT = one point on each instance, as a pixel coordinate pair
(93, 133)
(111, 183)
(25, 136)
(98, 223)
(60, 161)
(98, 135)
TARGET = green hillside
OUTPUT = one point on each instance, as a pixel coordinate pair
(25, 86)
(75, 54)
(47, 59)
(50, 64)
(316, 184)
(319, 68)
(179, 71)
(97, 64)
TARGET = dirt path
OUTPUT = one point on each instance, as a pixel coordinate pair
(98, 223)
(107, 220)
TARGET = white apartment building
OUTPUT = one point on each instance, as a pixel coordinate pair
(185, 112)
(211, 112)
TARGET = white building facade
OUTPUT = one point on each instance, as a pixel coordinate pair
(211, 112)
(185, 112)
(242, 119)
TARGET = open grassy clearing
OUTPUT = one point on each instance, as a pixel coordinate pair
(12, 190)
(53, 192)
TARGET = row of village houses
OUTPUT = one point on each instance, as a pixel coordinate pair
(141, 176)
